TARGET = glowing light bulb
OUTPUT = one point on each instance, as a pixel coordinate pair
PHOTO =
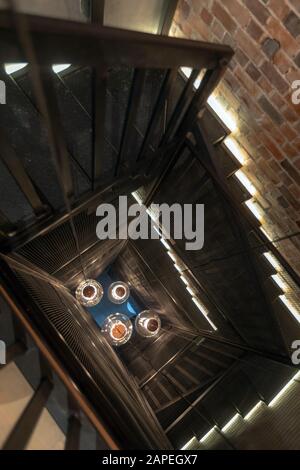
(118, 292)
(89, 293)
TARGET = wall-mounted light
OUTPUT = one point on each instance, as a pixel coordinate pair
(186, 71)
(255, 208)
(172, 256)
(189, 443)
(184, 280)
(89, 293)
(290, 306)
(266, 233)
(147, 323)
(137, 197)
(283, 391)
(208, 434)
(225, 116)
(244, 180)
(190, 291)
(280, 282)
(253, 410)
(165, 243)
(117, 329)
(230, 423)
(272, 260)
(199, 79)
(12, 68)
(204, 312)
(118, 292)
(200, 306)
(57, 68)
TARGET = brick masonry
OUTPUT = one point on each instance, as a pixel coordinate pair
(265, 35)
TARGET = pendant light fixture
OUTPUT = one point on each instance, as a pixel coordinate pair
(147, 323)
(89, 293)
(118, 292)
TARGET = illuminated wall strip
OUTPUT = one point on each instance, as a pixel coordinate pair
(265, 232)
(283, 390)
(188, 443)
(199, 79)
(137, 197)
(187, 71)
(225, 116)
(207, 435)
(230, 423)
(272, 260)
(297, 376)
(244, 180)
(12, 68)
(184, 280)
(255, 209)
(57, 68)
(200, 306)
(254, 410)
(204, 312)
(236, 150)
(172, 256)
(280, 282)
(211, 323)
(290, 307)
(179, 269)
(190, 291)
(165, 243)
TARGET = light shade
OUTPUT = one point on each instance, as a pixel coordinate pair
(118, 292)
(117, 329)
(89, 293)
(147, 323)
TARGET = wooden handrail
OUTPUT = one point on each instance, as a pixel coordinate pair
(72, 388)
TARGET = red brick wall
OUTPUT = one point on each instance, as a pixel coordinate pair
(265, 35)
